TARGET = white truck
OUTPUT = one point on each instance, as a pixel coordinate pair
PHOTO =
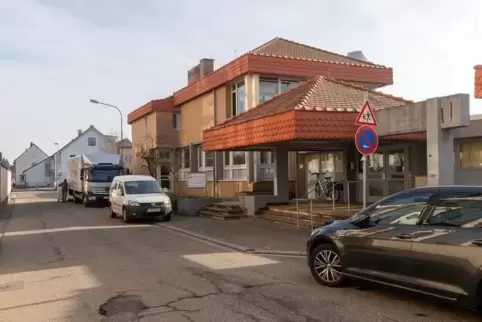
(89, 177)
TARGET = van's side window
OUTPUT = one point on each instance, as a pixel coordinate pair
(121, 188)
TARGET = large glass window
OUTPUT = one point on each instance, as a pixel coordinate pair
(186, 158)
(238, 97)
(458, 212)
(470, 155)
(270, 87)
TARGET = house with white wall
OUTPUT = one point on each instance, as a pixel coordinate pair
(89, 141)
(30, 157)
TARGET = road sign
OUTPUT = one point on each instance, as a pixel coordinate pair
(366, 116)
(366, 140)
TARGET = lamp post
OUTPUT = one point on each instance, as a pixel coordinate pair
(55, 163)
(93, 101)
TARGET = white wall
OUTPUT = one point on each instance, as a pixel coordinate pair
(5, 183)
(81, 147)
(25, 161)
(35, 176)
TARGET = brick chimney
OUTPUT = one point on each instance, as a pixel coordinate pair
(204, 68)
(79, 132)
(193, 75)
(31, 144)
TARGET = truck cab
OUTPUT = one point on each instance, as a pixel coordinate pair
(96, 181)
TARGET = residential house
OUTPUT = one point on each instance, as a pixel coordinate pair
(89, 141)
(292, 105)
(30, 157)
(126, 146)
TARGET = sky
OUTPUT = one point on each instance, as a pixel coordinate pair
(57, 54)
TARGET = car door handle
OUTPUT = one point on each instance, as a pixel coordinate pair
(404, 236)
(477, 242)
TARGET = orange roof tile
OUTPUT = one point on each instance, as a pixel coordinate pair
(319, 94)
(319, 109)
(280, 47)
(160, 105)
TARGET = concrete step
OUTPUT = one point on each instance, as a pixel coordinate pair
(304, 216)
(291, 221)
(219, 215)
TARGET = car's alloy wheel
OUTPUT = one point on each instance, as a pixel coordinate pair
(326, 266)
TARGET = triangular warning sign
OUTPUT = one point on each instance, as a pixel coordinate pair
(366, 116)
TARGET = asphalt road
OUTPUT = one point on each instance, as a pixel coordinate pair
(64, 262)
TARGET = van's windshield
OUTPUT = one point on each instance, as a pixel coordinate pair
(141, 187)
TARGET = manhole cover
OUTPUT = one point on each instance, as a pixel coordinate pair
(122, 304)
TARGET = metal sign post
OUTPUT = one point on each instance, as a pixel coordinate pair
(366, 140)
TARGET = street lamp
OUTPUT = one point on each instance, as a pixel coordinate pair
(93, 101)
(55, 163)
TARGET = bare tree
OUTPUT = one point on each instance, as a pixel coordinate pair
(153, 155)
(110, 145)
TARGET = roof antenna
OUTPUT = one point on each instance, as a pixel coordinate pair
(235, 54)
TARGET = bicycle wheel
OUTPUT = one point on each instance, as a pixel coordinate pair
(333, 194)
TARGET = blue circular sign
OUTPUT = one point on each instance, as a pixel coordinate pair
(366, 140)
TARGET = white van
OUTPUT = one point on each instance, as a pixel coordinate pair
(138, 197)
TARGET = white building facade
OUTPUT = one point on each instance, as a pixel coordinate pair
(30, 157)
(89, 141)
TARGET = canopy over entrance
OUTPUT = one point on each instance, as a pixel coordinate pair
(320, 109)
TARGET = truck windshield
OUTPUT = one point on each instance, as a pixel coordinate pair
(103, 175)
(141, 187)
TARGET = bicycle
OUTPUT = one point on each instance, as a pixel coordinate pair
(329, 189)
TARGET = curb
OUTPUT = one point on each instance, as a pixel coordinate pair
(5, 216)
(232, 246)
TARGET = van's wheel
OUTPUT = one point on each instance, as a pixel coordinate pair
(111, 212)
(326, 266)
(125, 216)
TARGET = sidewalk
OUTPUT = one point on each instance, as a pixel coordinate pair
(248, 235)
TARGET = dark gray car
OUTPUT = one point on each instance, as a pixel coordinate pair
(426, 240)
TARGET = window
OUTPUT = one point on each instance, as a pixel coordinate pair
(208, 159)
(239, 158)
(22, 178)
(186, 157)
(92, 141)
(205, 159)
(72, 155)
(142, 187)
(458, 212)
(270, 87)
(238, 93)
(266, 157)
(176, 120)
(235, 165)
(401, 208)
(470, 155)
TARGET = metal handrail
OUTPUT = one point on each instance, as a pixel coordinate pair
(333, 202)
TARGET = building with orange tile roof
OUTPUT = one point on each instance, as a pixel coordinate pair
(227, 123)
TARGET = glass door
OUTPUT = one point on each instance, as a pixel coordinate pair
(376, 176)
(396, 170)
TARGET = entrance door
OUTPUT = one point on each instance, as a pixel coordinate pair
(376, 176)
(396, 170)
(387, 172)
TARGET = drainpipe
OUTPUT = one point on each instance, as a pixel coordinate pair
(215, 156)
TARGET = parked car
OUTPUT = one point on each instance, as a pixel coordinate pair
(138, 197)
(426, 240)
